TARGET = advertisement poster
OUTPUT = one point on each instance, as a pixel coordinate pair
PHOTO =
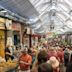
(9, 41)
(8, 24)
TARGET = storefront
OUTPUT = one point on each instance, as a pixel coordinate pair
(26, 36)
(17, 38)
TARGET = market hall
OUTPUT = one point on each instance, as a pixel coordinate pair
(35, 35)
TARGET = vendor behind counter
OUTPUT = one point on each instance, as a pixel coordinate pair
(8, 53)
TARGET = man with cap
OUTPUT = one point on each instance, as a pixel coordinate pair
(25, 61)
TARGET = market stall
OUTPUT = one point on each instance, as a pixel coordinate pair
(7, 66)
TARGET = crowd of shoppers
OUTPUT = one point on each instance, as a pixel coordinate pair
(42, 58)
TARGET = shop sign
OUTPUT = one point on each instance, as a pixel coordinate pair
(2, 26)
(8, 24)
(49, 35)
(9, 41)
(16, 26)
(28, 30)
(2, 20)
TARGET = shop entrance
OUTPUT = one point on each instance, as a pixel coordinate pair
(16, 37)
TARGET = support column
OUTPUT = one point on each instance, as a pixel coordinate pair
(30, 43)
(21, 36)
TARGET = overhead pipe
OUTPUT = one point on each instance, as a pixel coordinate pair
(39, 17)
(69, 3)
(12, 15)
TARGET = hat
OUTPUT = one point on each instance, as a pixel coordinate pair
(53, 61)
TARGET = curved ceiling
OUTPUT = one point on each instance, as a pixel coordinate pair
(43, 15)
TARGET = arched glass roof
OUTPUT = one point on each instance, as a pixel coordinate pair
(58, 11)
(43, 15)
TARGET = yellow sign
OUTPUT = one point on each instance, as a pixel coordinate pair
(2, 43)
(2, 20)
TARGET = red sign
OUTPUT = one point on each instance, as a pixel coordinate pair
(16, 26)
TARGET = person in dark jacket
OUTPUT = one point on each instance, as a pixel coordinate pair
(8, 54)
(69, 66)
(42, 57)
(45, 67)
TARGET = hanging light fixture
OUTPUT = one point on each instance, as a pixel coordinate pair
(51, 25)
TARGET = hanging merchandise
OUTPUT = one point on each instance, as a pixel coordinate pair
(9, 24)
(9, 41)
(26, 42)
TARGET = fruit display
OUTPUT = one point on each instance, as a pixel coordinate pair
(10, 64)
(2, 59)
(2, 69)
